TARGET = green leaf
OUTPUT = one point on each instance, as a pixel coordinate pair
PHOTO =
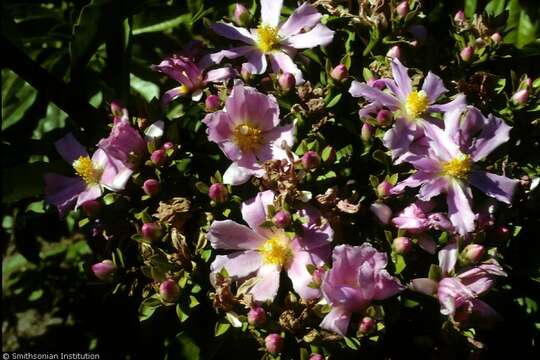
(148, 307)
(164, 25)
(334, 101)
(400, 264)
(146, 89)
(221, 328)
(189, 349)
(470, 7)
(182, 315)
(17, 97)
(352, 343)
(495, 7)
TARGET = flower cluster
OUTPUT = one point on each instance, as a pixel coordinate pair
(283, 235)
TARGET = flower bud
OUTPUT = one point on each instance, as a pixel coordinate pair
(383, 189)
(367, 325)
(151, 187)
(282, 219)
(402, 245)
(117, 109)
(394, 52)
(218, 192)
(169, 291)
(521, 97)
(151, 231)
(496, 37)
(245, 73)
(459, 17)
(286, 81)
(384, 117)
(403, 8)
(158, 157)
(366, 132)
(241, 14)
(473, 253)
(274, 343)
(168, 146)
(104, 270)
(311, 160)
(256, 316)
(91, 208)
(212, 103)
(466, 54)
(318, 275)
(316, 357)
(339, 73)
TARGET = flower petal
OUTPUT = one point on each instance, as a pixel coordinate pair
(496, 186)
(256, 62)
(255, 211)
(493, 134)
(433, 86)
(90, 193)
(69, 148)
(273, 140)
(432, 188)
(270, 12)
(402, 79)
(221, 74)
(373, 94)
(448, 258)
(399, 138)
(281, 61)
(115, 173)
(300, 276)
(268, 283)
(415, 180)
(232, 32)
(305, 16)
(229, 235)
(337, 320)
(459, 208)
(62, 191)
(320, 35)
(441, 143)
(220, 126)
(237, 175)
(458, 102)
(238, 264)
(247, 104)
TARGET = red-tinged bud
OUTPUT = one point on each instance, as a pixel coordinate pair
(496, 37)
(318, 275)
(521, 97)
(339, 73)
(403, 8)
(402, 245)
(241, 14)
(218, 192)
(311, 160)
(394, 52)
(367, 325)
(117, 109)
(104, 270)
(158, 157)
(256, 316)
(169, 291)
(245, 73)
(383, 189)
(316, 357)
(212, 103)
(466, 54)
(384, 117)
(91, 208)
(459, 17)
(151, 187)
(473, 253)
(168, 146)
(274, 343)
(366, 132)
(286, 81)
(282, 219)
(151, 231)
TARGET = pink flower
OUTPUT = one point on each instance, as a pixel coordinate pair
(192, 76)
(277, 41)
(415, 218)
(124, 142)
(449, 165)
(94, 174)
(247, 131)
(411, 106)
(357, 277)
(264, 251)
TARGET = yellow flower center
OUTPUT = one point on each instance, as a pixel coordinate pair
(247, 137)
(85, 169)
(276, 251)
(458, 167)
(183, 90)
(267, 38)
(416, 104)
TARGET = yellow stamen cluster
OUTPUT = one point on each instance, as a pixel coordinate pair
(416, 104)
(267, 38)
(85, 169)
(183, 89)
(247, 137)
(276, 251)
(458, 168)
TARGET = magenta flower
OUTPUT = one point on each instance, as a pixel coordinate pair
(450, 164)
(100, 171)
(265, 251)
(460, 293)
(191, 76)
(247, 131)
(410, 106)
(125, 142)
(277, 41)
(416, 218)
(357, 277)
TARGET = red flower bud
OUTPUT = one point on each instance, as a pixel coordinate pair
(212, 103)
(169, 291)
(339, 73)
(367, 325)
(403, 8)
(218, 192)
(286, 81)
(151, 187)
(158, 157)
(473, 252)
(104, 270)
(384, 117)
(256, 316)
(274, 343)
(402, 245)
(383, 189)
(91, 208)
(521, 97)
(282, 219)
(311, 160)
(466, 54)
(151, 231)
